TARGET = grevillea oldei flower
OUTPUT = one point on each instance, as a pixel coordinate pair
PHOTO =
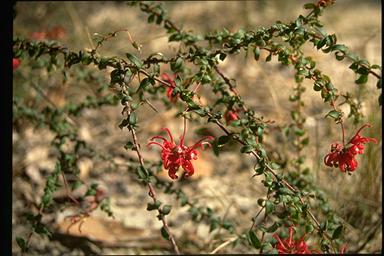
(344, 156)
(175, 155)
(231, 115)
(290, 246)
(325, 3)
(15, 63)
(170, 79)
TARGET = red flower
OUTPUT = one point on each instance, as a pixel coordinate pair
(344, 157)
(38, 35)
(16, 63)
(231, 115)
(56, 32)
(176, 155)
(325, 3)
(167, 78)
(290, 246)
(343, 248)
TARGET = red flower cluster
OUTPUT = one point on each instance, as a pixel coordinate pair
(16, 63)
(176, 155)
(290, 246)
(56, 32)
(344, 157)
(231, 115)
(170, 79)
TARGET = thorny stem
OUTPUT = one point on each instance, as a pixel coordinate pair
(289, 186)
(341, 122)
(152, 192)
(332, 102)
(185, 119)
(221, 246)
(254, 218)
(231, 88)
(67, 189)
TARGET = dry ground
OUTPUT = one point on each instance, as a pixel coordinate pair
(222, 183)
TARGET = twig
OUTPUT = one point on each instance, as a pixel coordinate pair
(254, 218)
(152, 192)
(221, 246)
(46, 98)
(370, 236)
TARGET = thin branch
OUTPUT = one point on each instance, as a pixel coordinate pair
(152, 192)
(221, 246)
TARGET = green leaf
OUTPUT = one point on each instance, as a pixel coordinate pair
(76, 184)
(275, 166)
(200, 112)
(294, 115)
(354, 66)
(309, 228)
(293, 97)
(375, 66)
(305, 141)
(269, 207)
(336, 234)
(40, 229)
(334, 114)
(132, 118)
(153, 206)
(309, 6)
(22, 243)
(236, 123)
(362, 79)
(213, 225)
(47, 198)
(123, 123)
(129, 145)
(269, 58)
(256, 53)
(135, 60)
(299, 132)
(143, 173)
(183, 199)
(321, 43)
(223, 140)
(151, 18)
(362, 70)
(253, 240)
(164, 233)
(177, 65)
(144, 83)
(246, 149)
(166, 209)
(273, 228)
(206, 79)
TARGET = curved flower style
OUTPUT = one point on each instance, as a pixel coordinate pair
(231, 115)
(176, 155)
(16, 63)
(290, 246)
(167, 78)
(344, 157)
(325, 3)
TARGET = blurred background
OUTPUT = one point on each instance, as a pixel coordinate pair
(222, 183)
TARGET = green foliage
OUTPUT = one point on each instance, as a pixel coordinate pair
(135, 80)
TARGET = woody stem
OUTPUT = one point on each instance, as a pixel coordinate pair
(152, 192)
(341, 122)
(343, 132)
